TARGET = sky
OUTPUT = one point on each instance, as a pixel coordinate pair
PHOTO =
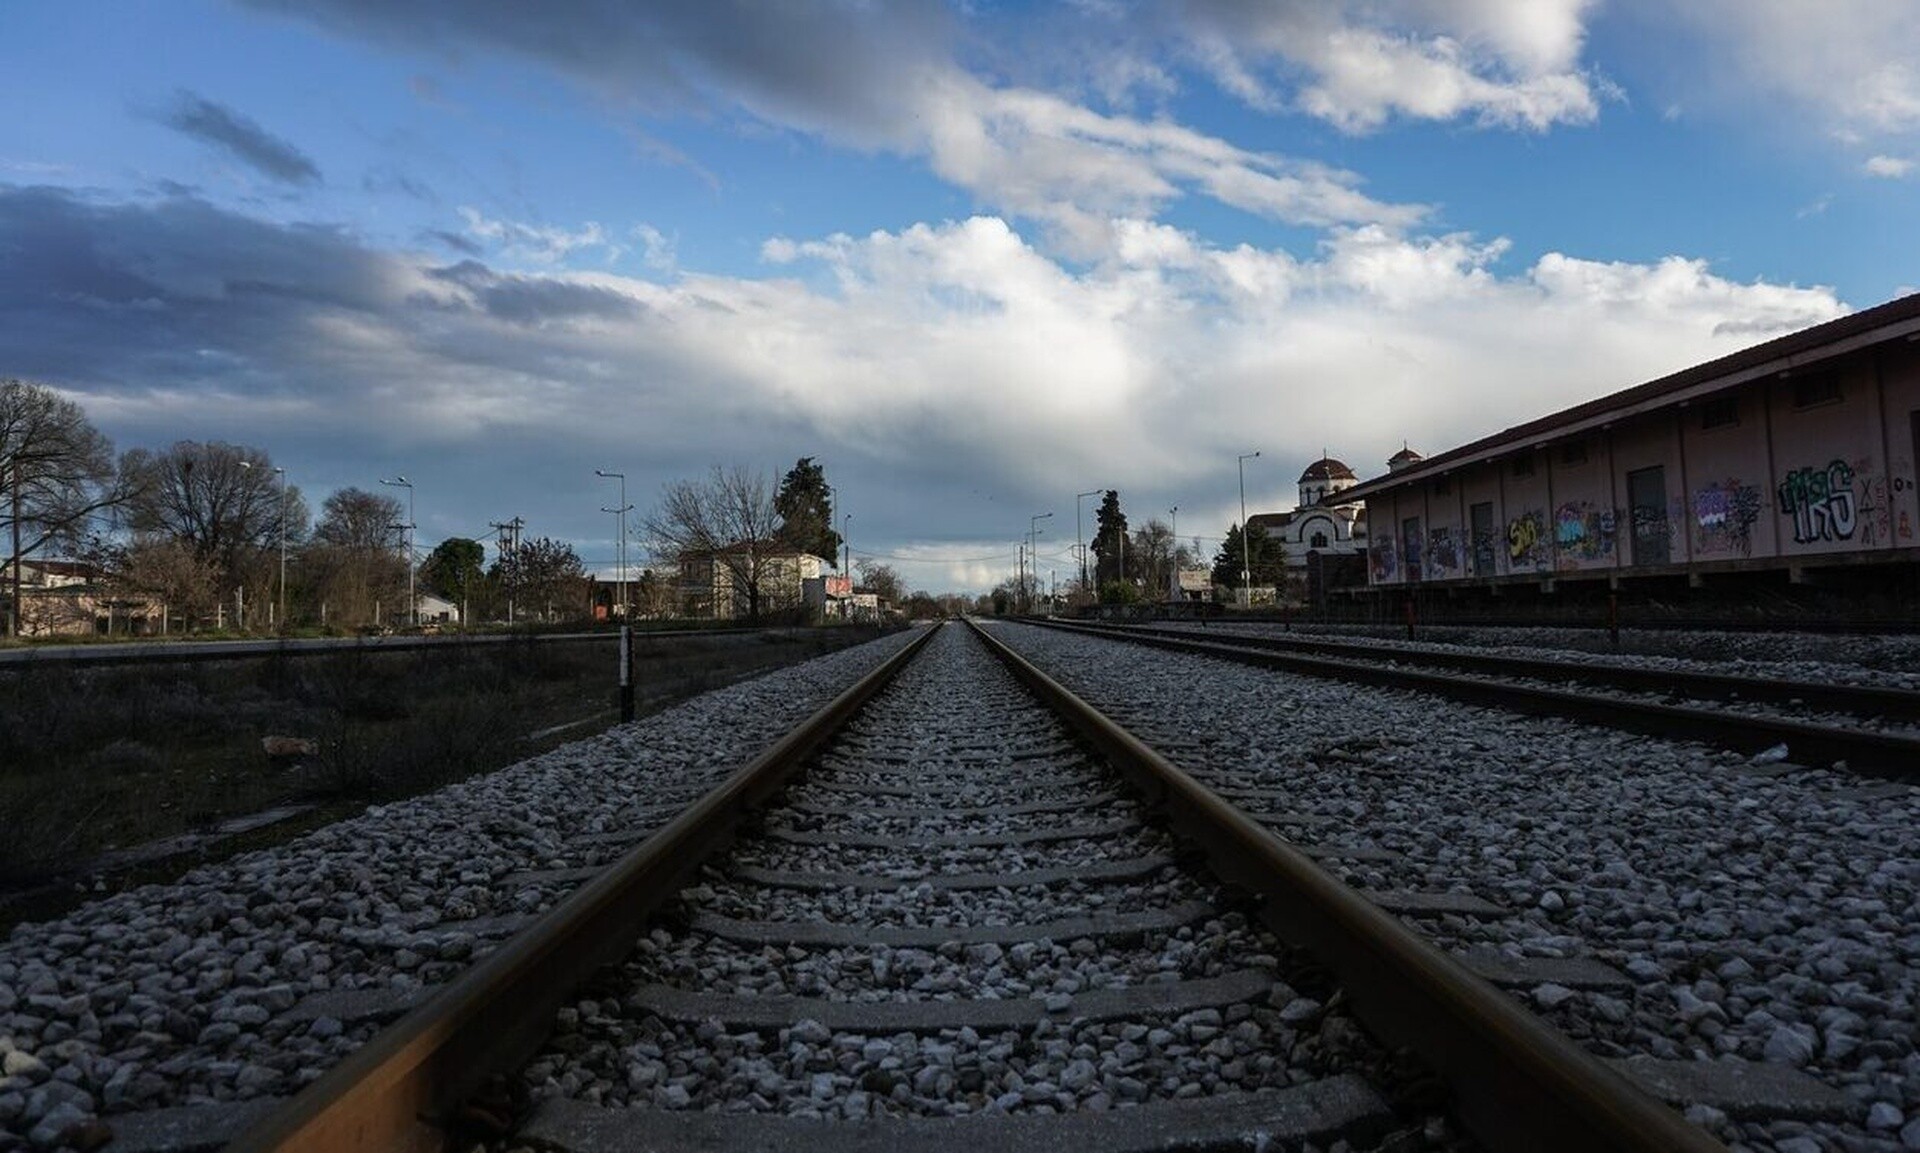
(974, 257)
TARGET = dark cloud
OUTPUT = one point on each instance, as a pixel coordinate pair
(203, 119)
(536, 300)
(838, 66)
(461, 244)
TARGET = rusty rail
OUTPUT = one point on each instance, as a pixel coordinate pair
(1518, 1084)
(387, 1095)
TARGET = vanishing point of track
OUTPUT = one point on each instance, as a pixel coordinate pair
(1512, 1081)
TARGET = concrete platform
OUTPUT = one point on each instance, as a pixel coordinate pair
(185, 1128)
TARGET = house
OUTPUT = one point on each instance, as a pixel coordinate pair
(719, 584)
(74, 598)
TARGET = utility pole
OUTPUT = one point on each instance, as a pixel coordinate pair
(413, 602)
(509, 546)
(13, 606)
(1246, 565)
(1079, 537)
(1173, 557)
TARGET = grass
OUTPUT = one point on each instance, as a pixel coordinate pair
(93, 759)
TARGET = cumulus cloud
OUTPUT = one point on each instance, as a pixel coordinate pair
(1887, 167)
(954, 365)
(241, 138)
(885, 78)
(1512, 63)
(540, 243)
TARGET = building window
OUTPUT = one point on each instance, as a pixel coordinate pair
(1816, 390)
(1319, 540)
(1573, 452)
(1523, 465)
(1720, 412)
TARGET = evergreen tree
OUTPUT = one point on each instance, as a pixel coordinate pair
(806, 511)
(1264, 557)
(1109, 540)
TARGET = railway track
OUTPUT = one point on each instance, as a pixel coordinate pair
(1876, 732)
(958, 929)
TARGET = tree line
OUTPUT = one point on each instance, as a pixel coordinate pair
(202, 528)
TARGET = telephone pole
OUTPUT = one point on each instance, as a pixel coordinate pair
(509, 546)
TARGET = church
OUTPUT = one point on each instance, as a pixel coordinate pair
(1322, 521)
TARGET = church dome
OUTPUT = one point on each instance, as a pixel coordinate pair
(1327, 468)
(1403, 458)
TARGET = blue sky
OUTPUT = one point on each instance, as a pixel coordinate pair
(976, 257)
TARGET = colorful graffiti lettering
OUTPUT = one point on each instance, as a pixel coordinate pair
(1821, 502)
(1384, 560)
(1526, 543)
(1724, 514)
(1583, 532)
(1443, 554)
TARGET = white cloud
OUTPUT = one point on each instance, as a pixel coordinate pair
(541, 243)
(1512, 63)
(952, 366)
(1853, 64)
(1887, 167)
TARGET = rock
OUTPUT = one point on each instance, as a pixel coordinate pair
(1789, 1046)
(24, 1065)
(1884, 1115)
(1550, 995)
(810, 1032)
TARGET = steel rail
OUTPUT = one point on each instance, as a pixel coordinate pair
(1869, 753)
(184, 652)
(1518, 1084)
(1863, 700)
(387, 1095)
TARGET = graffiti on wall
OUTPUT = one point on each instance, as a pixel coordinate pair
(1821, 502)
(1527, 542)
(1903, 483)
(1383, 559)
(1443, 554)
(1583, 532)
(1724, 514)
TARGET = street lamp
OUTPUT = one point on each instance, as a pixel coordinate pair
(846, 558)
(1079, 538)
(413, 602)
(282, 474)
(626, 604)
(1033, 531)
(1246, 574)
(1173, 553)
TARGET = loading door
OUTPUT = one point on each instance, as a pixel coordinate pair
(1483, 546)
(1647, 494)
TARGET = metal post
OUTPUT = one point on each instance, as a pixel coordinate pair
(1613, 618)
(1033, 533)
(1173, 555)
(626, 673)
(413, 616)
(1246, 564)
(1079, 537)
(283, 548)
(626, 603)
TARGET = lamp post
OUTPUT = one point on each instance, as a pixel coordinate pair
(1033, 531)
(846, 557)
(1079, 538)
(413, 602)
(626, 603)
(282, 474)
(1246, 566)
(1173, 554)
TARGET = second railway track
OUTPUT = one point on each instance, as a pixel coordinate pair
(958, 930)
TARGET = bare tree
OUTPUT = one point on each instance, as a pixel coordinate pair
(722, 533)
(880, 580)
(548, 573)
(56, 473)
(221, 500)
(1151, 555)
(354, 560)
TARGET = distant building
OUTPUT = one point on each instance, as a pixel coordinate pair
(74, 598)
(1324, 521)
(714, 584)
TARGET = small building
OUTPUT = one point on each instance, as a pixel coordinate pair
(74, 598)
(719, 584)
(436, 610)
(1793, 455)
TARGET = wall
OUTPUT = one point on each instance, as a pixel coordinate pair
(1728, 514)
(1830, 491)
